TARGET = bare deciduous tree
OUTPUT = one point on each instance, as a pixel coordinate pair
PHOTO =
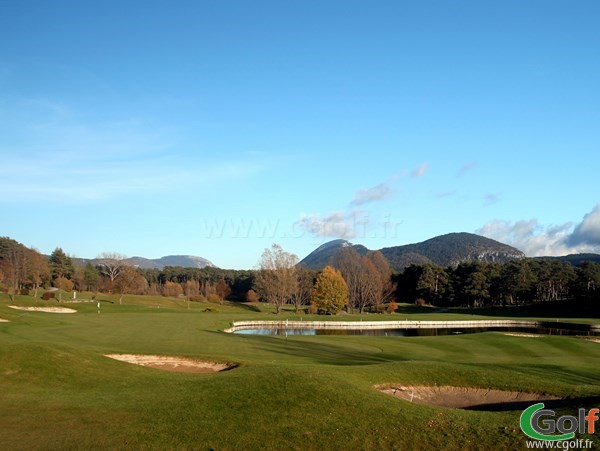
(129, 281)
(302, 288)
(111, 264)
(385, 287)
(38, 270)
(368, 278)
(276, 278)
(350, 264)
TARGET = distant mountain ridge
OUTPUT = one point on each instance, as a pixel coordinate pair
(575, 259)
(185, 261)
(444, 250)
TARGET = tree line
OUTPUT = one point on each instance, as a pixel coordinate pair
(353, 282)
(358, 283)
(24, 270)
(517, 282)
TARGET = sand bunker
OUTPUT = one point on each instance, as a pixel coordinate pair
(462, 397)
(518, 334)
(45, 309)
(179, 364)
(4, 320)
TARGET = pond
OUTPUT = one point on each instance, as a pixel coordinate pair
(421, 332)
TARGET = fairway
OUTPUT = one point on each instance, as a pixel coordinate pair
(59, 390)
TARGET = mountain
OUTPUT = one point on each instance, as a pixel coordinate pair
(324, 254)
(450, 250)
(185, 261)
(445, 250)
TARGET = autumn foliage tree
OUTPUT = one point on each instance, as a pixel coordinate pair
(191, 289)
(251, 296)
(63, 284)
(21, 267)
(37, 270)
(223, 290)
(172, 289)
(392, 307)
(129, 281)
(330, 294)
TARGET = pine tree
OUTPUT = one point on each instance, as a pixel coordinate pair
(60, 264)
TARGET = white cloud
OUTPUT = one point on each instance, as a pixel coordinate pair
(587, 232)
(338, 224)
(536, 240)
(529, 236)
(376, 193)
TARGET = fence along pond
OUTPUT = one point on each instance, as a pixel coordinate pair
(409, 328)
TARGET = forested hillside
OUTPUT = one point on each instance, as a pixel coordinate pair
(445, 250)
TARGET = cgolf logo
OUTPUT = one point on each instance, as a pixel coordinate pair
(540, 424)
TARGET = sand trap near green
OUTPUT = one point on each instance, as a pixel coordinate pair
(44, 309)
(178, 364)
(460, 397)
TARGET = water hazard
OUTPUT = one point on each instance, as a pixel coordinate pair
(569, 330)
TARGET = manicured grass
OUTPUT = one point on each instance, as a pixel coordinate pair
(58, 391)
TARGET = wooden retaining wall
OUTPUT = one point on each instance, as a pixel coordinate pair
(286, 324)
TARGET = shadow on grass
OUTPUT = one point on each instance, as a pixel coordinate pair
(412, 309)
(247, 306)
(562, 309)
(570, 403)
(319, 352)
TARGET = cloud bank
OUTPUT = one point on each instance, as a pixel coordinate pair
(536, 240)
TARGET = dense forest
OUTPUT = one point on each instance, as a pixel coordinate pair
(372, 285)
(518, 282)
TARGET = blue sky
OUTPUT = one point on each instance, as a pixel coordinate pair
(216, 128)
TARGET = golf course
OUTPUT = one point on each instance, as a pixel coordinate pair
(59, 390)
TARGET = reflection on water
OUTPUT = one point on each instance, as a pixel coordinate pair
(417, 332)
